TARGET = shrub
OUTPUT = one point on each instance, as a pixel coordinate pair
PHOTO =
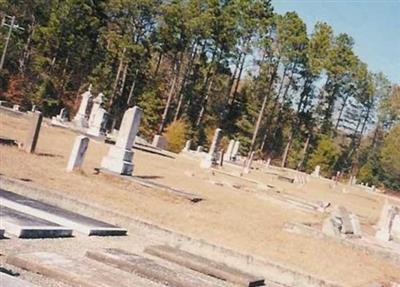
(176, 134)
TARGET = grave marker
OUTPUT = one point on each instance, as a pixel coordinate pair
(78, 153)
(95, 129)
(212, 155)
(33, 136)
(119, 157)
(80, 118)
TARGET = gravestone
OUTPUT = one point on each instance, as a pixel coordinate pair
(61, 118)
(316, 171)
(78, 153)
(249, 162)
(33, 108)
(235, 150)
(199, 149)
(33, 136)
(267, 164)
(96, 127)
(229, 150)
(16, 108)
(212, 156)
(97, 102)
(24, 225)
(341, 223)
(386, 221)
(160, 142)
(80, 118)
(187, 145)
(119, 157)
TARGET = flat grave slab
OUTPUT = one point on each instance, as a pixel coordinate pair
(205, 266)
(24, 225)
(145, 267)
(59, 215)
(151, 184)
(75, 273)
(12, 281)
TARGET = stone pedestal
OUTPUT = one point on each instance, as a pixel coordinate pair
(80, 118)
(95, 128)
(212, 156)
(78, 153)
(119, 157)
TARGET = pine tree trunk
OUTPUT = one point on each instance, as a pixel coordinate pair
(128, 102)
(115, 85)
(287, 148)
(185, 78)
(304, 154)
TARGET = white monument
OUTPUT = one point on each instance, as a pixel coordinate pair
(235, 150)
(95, 129)
(97, 102)
(386, 221)
(78, 153)
(229, 150)
(80, 118)
(211, 157)
(187, 145)
(316, 171)
(120, 156)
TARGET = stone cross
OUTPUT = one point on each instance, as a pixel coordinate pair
(78, 153)
(33, 136)
(95, 129)
(229, 150)
(212, 155)
(120, 156)
(80, 118)
(97, 102)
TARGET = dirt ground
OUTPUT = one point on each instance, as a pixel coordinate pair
(241, 219)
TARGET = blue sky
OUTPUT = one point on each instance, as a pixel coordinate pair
(374, 25)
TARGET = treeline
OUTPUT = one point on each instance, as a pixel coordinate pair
(300, 97)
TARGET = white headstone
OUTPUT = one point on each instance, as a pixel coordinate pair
(16, 107)
(97, 102)
(386, 221)
(33, 108)
(78, 153)
(80, 118)
(199, 148)
(268, 162)
(229, 150)
(212, 156)
(95, 128)
(119, 157)
(235, 150)
(249, 161)
(187, 145)
(316, 171)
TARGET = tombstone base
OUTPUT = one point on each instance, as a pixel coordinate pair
(383, 235)
(80, 121)
(119, 161)
(207, 161)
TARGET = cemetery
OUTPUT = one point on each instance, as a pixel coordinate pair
(192, 143)
(81, 206)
